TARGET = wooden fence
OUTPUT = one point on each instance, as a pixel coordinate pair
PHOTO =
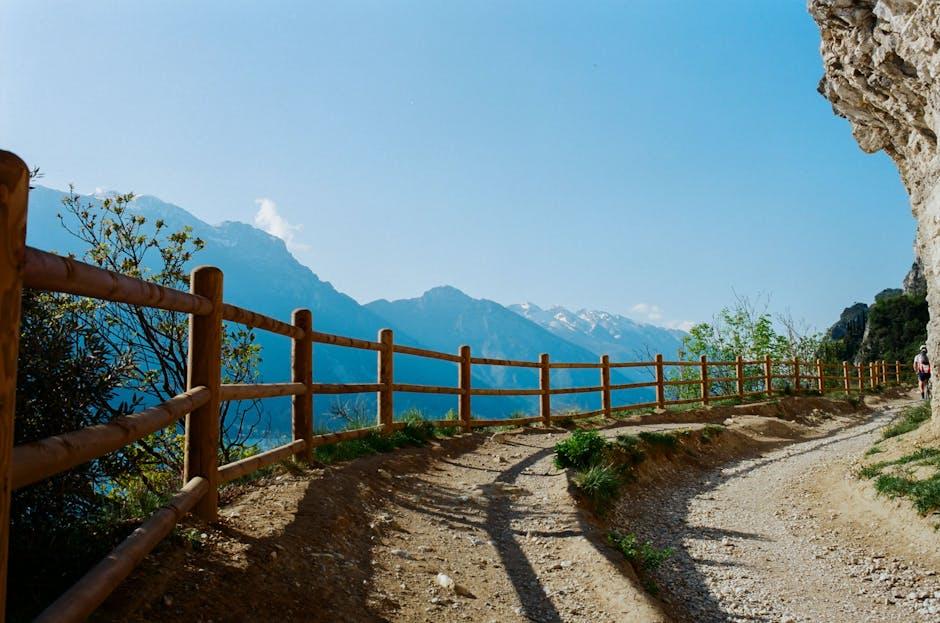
(22, 266)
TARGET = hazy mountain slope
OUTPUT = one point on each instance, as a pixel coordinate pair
(445, 318)
(261, 275)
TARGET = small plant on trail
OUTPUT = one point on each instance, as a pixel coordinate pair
(600, 483)
(645, 555)
(449, 431)
(911, 418)
(873, 450)
(581, 450)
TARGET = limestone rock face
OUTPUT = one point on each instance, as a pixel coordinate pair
(882, 72)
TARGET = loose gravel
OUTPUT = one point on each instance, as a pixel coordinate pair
(752, 544)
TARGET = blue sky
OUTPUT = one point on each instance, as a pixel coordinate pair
(644, 157)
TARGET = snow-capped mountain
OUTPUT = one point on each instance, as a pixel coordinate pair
(603, 332)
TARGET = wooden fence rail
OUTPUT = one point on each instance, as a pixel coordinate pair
(28, 463)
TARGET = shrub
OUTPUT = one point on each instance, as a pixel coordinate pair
(600, 483)
(581, 450)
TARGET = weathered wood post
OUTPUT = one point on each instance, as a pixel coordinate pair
(605, 385)
(860, 369)
(301, 357)
(205, 369)
(386, 376)
(14, 193)
(821, 376)
(463, 406)
(884, 372)
(660, 384)
(739, 373)
(768, 376)
(703, 374)
(845, 377)
(871, 374)
(545, 385)
(796, 375)
(897, 372)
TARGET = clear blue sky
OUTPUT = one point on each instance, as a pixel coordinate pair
(602, 155)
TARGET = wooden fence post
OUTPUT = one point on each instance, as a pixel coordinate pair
(897, 372)
(660, 384)
(796, 375)
(205, 368)
(605, 384)
(545, 383)
(860, 370)
(821, 374)
(463, 406)
(703, 374)
(871, 374)
(301, 357)
(845, 377)
(884, 372)
(14, 193)
(739, 370)
(385, 378)
(768, 375)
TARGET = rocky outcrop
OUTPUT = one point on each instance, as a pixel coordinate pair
(882, 72)
(915, 282)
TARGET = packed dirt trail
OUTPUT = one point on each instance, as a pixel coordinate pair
(792, 536)
(485, 528)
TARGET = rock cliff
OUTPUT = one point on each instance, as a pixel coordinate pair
(881, 60)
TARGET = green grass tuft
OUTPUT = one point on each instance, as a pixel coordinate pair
(656, 438)
(600, 483)
(910, 419)
(925, 493)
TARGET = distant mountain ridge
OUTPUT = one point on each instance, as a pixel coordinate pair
(262, 275)
(603, 332)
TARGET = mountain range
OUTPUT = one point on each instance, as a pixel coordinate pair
(262, 275)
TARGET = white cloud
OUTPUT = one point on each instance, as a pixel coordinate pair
(268, 219)
(682, 325)
(647, 311)
(653, 314)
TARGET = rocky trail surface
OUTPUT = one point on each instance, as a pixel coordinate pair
(485, 528)
(790, 536)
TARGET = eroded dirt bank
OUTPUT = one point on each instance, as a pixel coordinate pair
(366, 541)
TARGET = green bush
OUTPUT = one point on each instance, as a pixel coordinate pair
(581, 450)
(600, 483)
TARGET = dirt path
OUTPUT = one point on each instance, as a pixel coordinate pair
(484, 528)
(762, 540)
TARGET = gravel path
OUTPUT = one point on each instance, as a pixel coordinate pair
(753, 544)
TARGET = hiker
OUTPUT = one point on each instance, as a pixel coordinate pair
(922, 368)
